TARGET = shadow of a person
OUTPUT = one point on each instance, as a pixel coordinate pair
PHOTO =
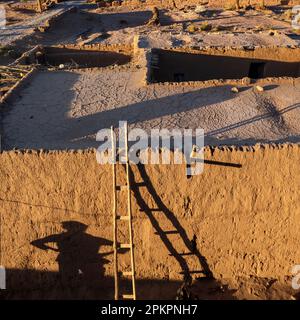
(79, 260)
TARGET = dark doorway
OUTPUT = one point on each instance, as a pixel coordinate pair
(256, 70)
(178, 77)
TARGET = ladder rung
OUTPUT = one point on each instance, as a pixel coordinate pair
(125, 245)
(126, 273)
(127, 296)
(121, 187)
(122, 218)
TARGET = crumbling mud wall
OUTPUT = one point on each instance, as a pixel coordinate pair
(218, 3)
(254, 2)
(176, 66)
(240, 218)
(29, 57)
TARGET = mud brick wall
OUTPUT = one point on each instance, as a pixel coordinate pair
(217, 3)
(244, 211)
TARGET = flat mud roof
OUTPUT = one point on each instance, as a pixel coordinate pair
(65, 110)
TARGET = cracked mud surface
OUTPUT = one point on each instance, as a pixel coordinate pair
(122, 23)
(63, 109)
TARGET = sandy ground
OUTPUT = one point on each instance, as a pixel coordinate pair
(250, 288)
(65, 110)
(17, 12)
(229, 28)
(24, 25)
(238, 29)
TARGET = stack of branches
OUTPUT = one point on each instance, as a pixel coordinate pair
(10, 75)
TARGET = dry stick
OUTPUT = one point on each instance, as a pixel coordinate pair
(13, 69)
(39, 6)
(8, 80)
(5, 74)
(4, 89)
(10, 74)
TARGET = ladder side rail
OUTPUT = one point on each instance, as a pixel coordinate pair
(130, 213)
(115, 243)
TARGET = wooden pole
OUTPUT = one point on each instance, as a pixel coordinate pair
(115, 240)
(130, 213)
(39, 6)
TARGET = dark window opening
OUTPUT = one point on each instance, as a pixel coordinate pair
(256, 70)
(178, 77)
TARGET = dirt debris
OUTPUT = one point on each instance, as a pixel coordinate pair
(155, 18)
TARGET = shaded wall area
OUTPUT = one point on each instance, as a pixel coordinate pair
(237, 219)
(170, 66)
(45, 285)
(217, 3)
(83, 58)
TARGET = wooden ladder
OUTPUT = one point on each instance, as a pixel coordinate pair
(126, 218)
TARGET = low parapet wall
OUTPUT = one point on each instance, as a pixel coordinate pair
(244, 220)
(216, 3)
